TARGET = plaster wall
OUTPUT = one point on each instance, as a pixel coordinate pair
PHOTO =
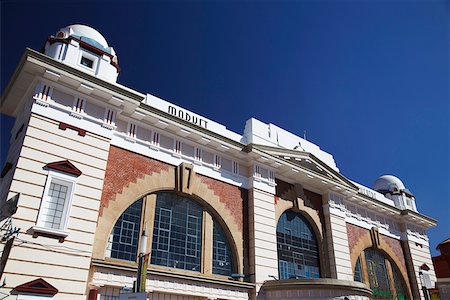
(46, 257)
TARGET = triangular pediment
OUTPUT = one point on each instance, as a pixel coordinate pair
(37, 286)
(303, 160)
(64, 166)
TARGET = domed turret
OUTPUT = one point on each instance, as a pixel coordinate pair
(393, 188)
(84, 48)
(388, 183)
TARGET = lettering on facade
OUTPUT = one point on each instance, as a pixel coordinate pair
(184, 115)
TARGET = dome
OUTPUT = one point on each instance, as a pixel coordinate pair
(88, 35)
(388, 183)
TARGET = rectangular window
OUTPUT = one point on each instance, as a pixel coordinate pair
(235, 167)
(221, 252)
(177, 147)
(55, 207)
(164, 226)
(87, 62)
(192, 227)
(217, 161)
(126, 232)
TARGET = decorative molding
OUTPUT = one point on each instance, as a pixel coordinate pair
(64, 166)
(184, 175)
(37, 286)
(64, 126)
(375, 236)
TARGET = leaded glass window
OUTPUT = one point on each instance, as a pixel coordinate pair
(378, 277)
(177, 232)
(358, 271)
(125, 235)
(298, 255)
(379, 269)
(222, 258)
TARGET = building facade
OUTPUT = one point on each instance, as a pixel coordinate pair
(441, 265)
(98, 173)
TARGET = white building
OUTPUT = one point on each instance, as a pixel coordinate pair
(260, 215)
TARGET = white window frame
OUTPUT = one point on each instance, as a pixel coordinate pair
(90, 56)
(70, 182)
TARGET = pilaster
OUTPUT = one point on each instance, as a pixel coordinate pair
(336, 235)
(263, 240)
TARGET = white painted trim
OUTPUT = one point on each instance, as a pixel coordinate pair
(63, 179)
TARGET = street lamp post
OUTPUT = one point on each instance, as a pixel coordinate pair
(140, 284)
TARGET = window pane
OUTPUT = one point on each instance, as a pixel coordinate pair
(298, 255)
(177, 232)
(54, 206)
(222, 258)
(87, 62)
(378, 277)
(126, 232)
(358, 272)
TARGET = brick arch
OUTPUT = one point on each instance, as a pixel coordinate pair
(165, 181)
(121, 201)
(365, 242)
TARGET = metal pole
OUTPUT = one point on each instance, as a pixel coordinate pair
(142, 249)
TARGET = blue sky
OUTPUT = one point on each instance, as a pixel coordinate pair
(367, 80)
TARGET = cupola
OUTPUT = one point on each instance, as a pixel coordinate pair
(84, 48)
(393, 188)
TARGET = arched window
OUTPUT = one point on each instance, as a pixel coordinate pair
(177, 237)
(298, 254)
(222, 259)
(177, 232)
(383, 276)
(123, 241)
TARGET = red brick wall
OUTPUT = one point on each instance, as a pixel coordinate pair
(355, 233)
(124, 167)
(232, 196)
(281, 187)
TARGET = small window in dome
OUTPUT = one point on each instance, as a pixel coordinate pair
(87, 62)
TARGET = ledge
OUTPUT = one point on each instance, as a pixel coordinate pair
(172, 274)
(317, 284)
(50, 233)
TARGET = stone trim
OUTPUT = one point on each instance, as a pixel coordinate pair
(365, 241)
(351, 287)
